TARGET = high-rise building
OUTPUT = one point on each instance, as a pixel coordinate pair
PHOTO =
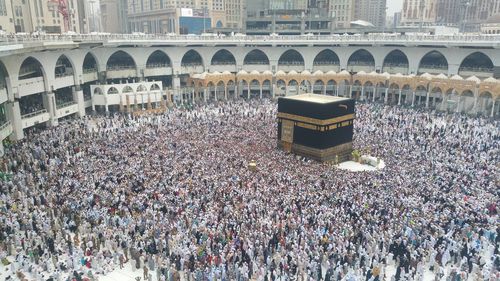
(468, 15)
(113, 16)
(185, 16)
(373, 11)
(39, 15)
(419, 12)
(6, 16)
(342, 12)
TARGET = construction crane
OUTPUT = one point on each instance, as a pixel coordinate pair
(62, 8)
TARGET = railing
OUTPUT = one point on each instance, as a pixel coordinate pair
(285, 63)
(5, 125)
(386, 37)
(360, 63)
(191, 65)
(223, 63)
(66, 104)
(475, 69)
(256, 63)
(89, 70)
(32, 114)
(65, 74)
(319, 63)
(120, 67)
(157, 65)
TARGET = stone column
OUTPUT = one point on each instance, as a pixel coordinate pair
(413, 100)
(13, 113)
(215, 92)
(427, 99)
(493, 108)
(79, 99)
(474, 107)
(261, 91)
(225, 92)
(176, 85)
(49, 102)
(205, 95)
(386, 97)
(324, 89)
(362, 98)
(399, 99)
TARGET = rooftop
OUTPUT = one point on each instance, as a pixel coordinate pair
(322, 99)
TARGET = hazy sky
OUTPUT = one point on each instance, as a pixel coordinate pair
(394, 6)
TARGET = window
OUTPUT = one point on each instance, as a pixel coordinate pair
(3, 8)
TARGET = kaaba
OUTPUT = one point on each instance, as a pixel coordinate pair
(316, 126)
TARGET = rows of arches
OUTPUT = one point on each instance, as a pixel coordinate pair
(395, 61)
(127, 89)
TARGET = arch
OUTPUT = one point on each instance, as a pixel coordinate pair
(158, 59)
(127, 89)
(256, 57)
(485, 103)
(219, 24)
(255, 83)
(221, 84)
(280, 87)
(291, 57)
(486, 94)
(361, 57)
(223, 57)
(3, 75)
(64, 67)
(155, 87)
(420, 95)
(477, 62)
(326, 57)
(142, 88)
(89, 63)
(113, 91)
(31, 68)
(433, 62)
(331, 87)
(318, 86)
(120, 60)
(395, 61)
(192, 58)
(98, 91)
(305, 86)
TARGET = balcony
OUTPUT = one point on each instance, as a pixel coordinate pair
(5, 130)
(192, 68)
(286, 67)
(66, 109)
(31, 86)
(64, 80)
(117, 72)
(158, 70)
(221, 67)
(34, 118)
(90, 75)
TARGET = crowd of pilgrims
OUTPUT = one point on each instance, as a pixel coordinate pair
(171, 197)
